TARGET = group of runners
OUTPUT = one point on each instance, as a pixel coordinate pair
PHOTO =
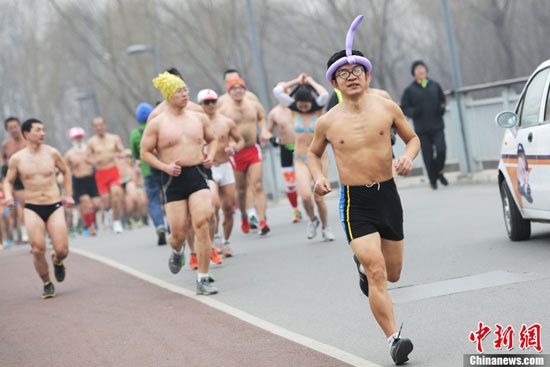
(193, 163)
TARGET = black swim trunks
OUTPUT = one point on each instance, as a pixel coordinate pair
(208, 173)
(44, 211)
(190, 180)
(287, 156)
(17, 184)
(84, 186)
(368, 209)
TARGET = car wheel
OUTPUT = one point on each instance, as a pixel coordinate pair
(518, 229)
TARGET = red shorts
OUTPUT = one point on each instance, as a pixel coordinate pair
(247, 157)
(106, 178)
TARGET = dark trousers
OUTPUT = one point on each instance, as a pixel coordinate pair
(433, 152)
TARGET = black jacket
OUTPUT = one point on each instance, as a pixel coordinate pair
(426, 106)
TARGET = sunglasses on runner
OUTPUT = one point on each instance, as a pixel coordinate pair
(209, 101)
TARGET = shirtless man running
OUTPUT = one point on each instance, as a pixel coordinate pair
(224, 99)
(36, 165)
(280, 117)
(249, 116)
(358, 129)
(102, 151)
(222, 172)
(191, 106)
(9, 148)
(84, 185)
(178, 135)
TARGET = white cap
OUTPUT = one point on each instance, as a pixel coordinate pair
(206, 95)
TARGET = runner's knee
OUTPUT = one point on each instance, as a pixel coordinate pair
(376, 273)
(39, 250)
(258, 187)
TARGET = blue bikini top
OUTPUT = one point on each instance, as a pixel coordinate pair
(299, 125)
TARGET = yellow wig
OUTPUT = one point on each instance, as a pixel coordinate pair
(168, 84)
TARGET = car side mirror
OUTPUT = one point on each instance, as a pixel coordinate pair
(507, 120)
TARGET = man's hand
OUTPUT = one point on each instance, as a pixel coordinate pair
(208, 161)
(8, 201)
(230, 150)
(265, 135)
(68, 201)
(322, 186)
(403, 166)
(173, 169)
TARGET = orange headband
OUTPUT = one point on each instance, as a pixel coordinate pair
(233, 82)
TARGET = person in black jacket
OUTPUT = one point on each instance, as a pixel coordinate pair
(424, 102)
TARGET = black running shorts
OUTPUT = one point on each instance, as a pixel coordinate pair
(190, 180)
(369, 209)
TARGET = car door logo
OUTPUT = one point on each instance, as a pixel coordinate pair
(523, 175)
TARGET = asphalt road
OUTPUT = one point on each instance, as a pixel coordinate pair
(460, 268)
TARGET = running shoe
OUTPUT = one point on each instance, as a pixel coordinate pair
(117, 226)
(226, 250)
(49, 291)
(312, 228)
(176, 261)
(85, 232)
(145, 220)
(205, 288)
(327, 234)
(400, 349)
(245, 227)
(264, 228)
(214, 257)
(161, 237)
(296, 216)
(253, 222)
(363, 281)
(58, 269)
(92, 231)
(193, 262)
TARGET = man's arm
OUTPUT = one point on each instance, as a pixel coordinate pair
(119, 147)
(212, 141)
(90, 153)
(235, 133)
(260, 115)
(61, 165)
(148, 145)
(10, 179)
(404, 165)
(315, 152)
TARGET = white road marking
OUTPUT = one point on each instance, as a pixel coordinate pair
(244, 316)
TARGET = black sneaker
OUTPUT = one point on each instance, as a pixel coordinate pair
(400, 349)
(433, 185)
(363, 282)
(442, 179)
(161, 237)
(49, 291)
(264, 230)
(175, 262)
(58, 269)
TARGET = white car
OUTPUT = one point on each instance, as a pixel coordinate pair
(524, 168)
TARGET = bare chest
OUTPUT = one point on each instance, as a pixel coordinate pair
(220, 130)
(106, 145)
(32, 166)
(360, 132)
(243, 114)
(173, 133)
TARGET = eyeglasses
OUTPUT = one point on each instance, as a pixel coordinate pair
(209, 102)
(344, 74)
